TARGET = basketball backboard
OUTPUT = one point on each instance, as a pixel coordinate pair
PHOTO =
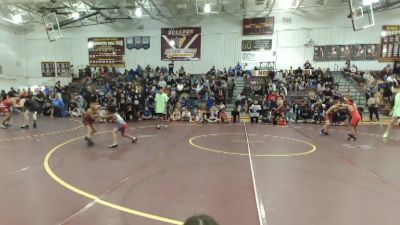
(361, 14)
(52, 27)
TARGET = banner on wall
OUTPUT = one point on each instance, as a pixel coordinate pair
(345, 52)
(261, 73)
(63, 69)
(258, 26)
(390, 42)
(108, 52)
(358, 52)
(372, 52)
(260, 56)
(181, 44)
(256, 45)
(48, 69)
(319, 53)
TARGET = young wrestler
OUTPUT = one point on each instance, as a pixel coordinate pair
(89, 120)
(31, 107)
(396, 110)
(355, 118)
(120, 126)
(329, 117)
(6, 104)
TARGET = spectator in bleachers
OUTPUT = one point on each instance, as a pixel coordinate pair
(373, 103)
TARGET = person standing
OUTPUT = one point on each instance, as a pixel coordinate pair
(373, 103)
(161, 101)
(396, 111)
(355, 118)
(31, 107)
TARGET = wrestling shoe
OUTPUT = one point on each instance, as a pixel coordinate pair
(113, 145)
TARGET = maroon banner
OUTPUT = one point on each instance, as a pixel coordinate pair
(390, 42)
(257, 26)
(109, 52)
(181, 44)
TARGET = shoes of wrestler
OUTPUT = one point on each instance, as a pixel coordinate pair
(385, 135)
(134, 140)
(89, 141)
(113, 145)
(34, 125)
(25, 127)
(158, 126)
(3, 127)
(322, 132)
(166, 126)
(351, 139)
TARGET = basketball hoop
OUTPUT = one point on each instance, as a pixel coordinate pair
(52, 27)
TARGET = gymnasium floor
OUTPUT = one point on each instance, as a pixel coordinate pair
(50, 176)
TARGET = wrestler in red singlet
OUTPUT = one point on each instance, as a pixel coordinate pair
(354, 120)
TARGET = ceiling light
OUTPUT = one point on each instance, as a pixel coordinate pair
(384, 34)
(90, 44)
(172, 43)
(75, 15)
(369, 2)
(17, 18)
(138, 12)
(207, 8)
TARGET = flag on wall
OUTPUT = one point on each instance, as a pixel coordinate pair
(181, 44)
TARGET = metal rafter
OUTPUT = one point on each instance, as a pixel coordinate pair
(299, 3)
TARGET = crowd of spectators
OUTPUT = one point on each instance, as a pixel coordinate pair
(376, 85)
(283, 96)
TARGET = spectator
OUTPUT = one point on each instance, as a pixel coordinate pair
(255, 110)
(373, 103)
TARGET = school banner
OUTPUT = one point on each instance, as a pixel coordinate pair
(181, 44)
(108, 52)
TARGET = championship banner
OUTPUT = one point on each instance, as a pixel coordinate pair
(48, 69)
(258, 26)
(106, 52)
(130, 43)
(390, 41)
(181, 44)
(63, 69)
(138, 42)
(146, 42)
(256, 45)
